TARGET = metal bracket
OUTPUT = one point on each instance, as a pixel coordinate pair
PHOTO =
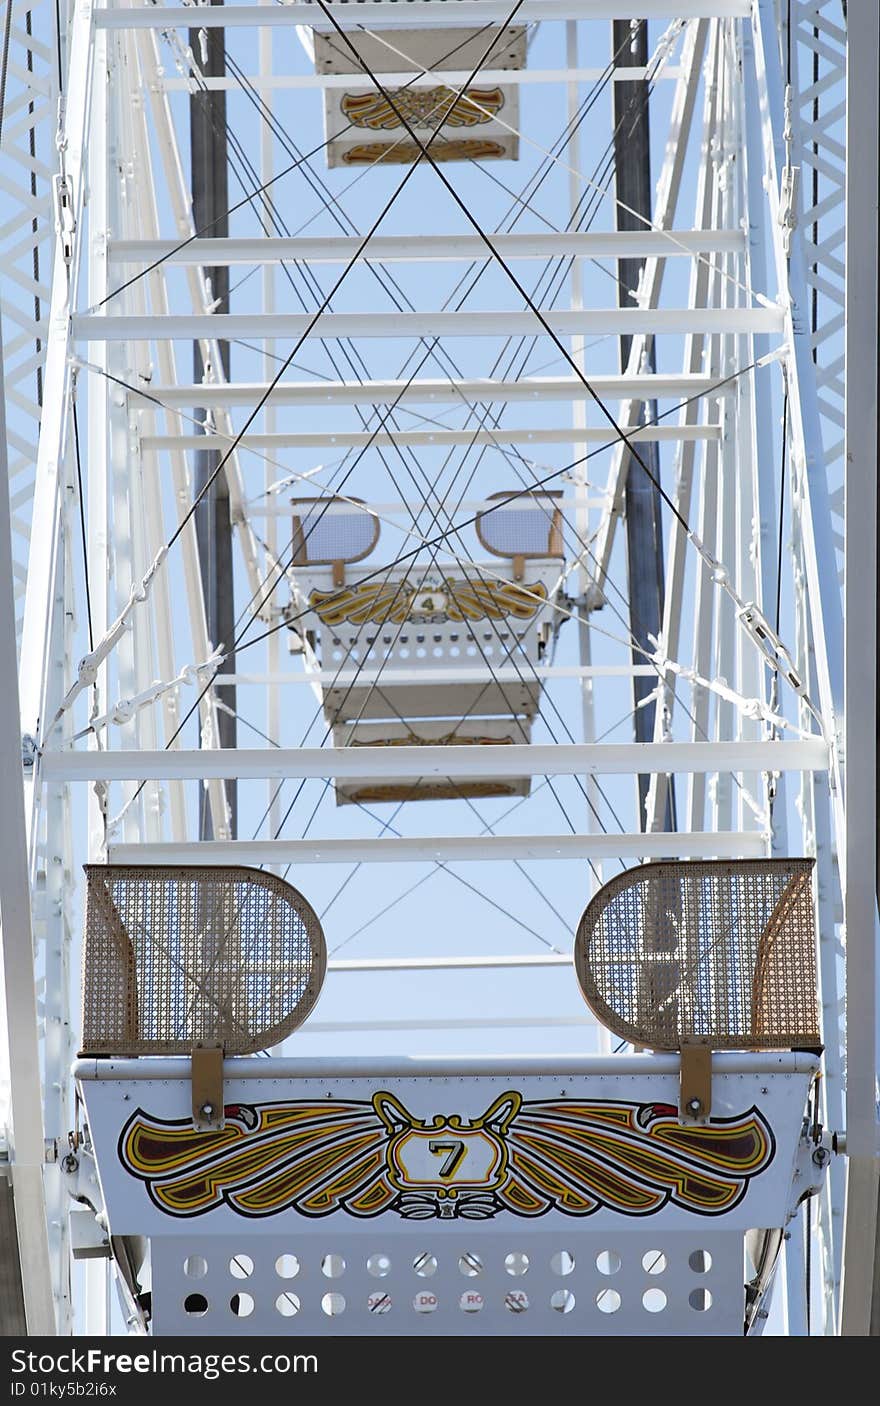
(695, 1096)
(207, 1088)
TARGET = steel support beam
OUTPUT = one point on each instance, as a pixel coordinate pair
(363, 439)
(209, 178)
(529, 388)
(444, 849)
(644, 528)
(231, 326)
(861, 1278)
(428, 248)
(19, 1018)
(539, 759)
(382, 12)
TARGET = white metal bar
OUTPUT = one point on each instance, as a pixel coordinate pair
(380, 13)
(398, 248)
(361, 439)
(676, 551)
(539, 759)
(860, 1282)
(406, 964)
(455, 78)
(531, 388)
(395, 677)
(444, 849)
(17, 950)
(371, 1067)
(56, 401)
(88, 327)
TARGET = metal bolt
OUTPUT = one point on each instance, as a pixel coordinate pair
(70, 1163)
(694, 1106)
(207, 1109)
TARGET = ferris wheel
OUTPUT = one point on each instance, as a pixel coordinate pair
(440, 578)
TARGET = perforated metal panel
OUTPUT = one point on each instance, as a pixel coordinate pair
(518, 1284)
(531, 526)
(179, 956)
(331, 529)
(719, 949)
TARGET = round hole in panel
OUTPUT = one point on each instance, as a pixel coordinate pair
(516, 1262)
(654, 1300)
(333, 1305)
(379, 1301)
(471, 649)
(404, 653)
(425, 1301)
(437, 652)
(421, 652)
(195, 1266)
(516, 1301)
(287, 1304)
(470, 1264)
(653, 1261)
(700, 1261)
(337, 654)
(562, 1262)
(608, 1301)
(700, 1300)
(242, 1305)
(425, 1265)
(454, 651)
(470, 1301)
(196, 1305)
(378, 1265)
(241, 1266)
(608, 1261)
(332, 1266)
(562, 1300)
(287, 1266)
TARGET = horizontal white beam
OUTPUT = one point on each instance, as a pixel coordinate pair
(423, 439)
(381, 13)
(447, 849)
(402, 1066)
(395, 677)
(536, 388)
(401, 248)
(418, 964)
(454, 78)
(539, 759)
(330, 325)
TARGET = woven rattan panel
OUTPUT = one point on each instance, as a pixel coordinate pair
(720, 950)
(174, 957)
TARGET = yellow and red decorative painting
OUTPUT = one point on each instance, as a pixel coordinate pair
(370, 1157)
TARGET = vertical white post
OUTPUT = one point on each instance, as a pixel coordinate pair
(27, 1148)
(860, 1284)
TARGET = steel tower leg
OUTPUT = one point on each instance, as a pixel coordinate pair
(644, 529)
(210, 197)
